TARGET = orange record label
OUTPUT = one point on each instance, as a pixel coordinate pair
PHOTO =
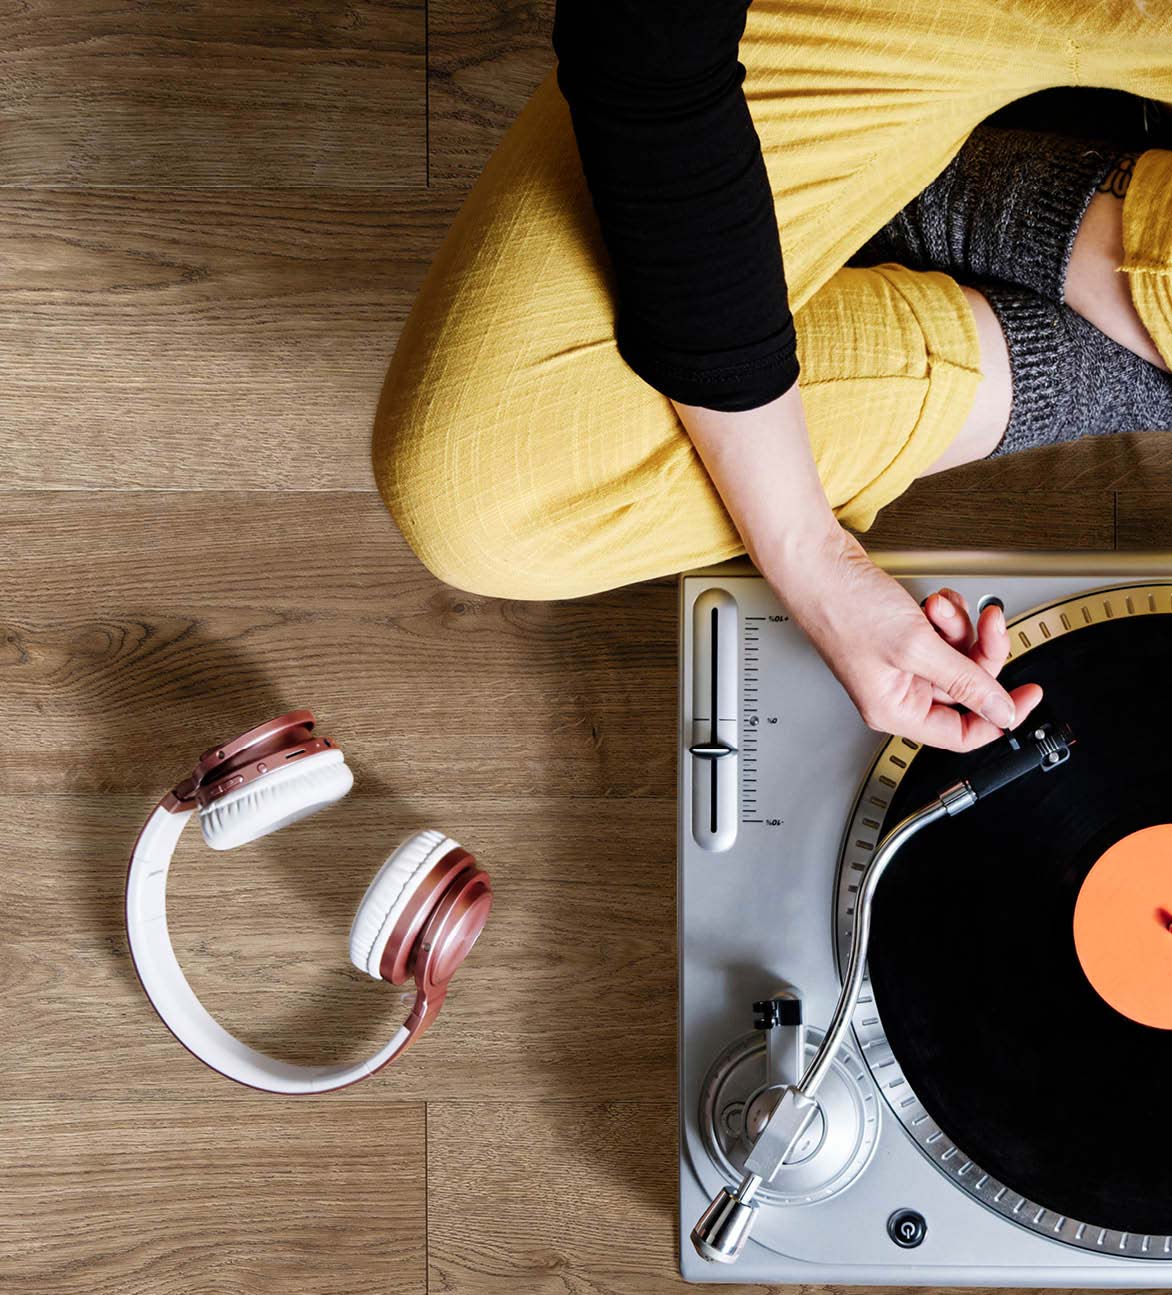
(1123, 926)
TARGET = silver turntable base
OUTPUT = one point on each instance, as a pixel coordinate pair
(765, 820)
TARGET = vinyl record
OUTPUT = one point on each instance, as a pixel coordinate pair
(984, 1001)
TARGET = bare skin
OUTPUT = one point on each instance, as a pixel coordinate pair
(904, 667)
(907, 668)
(989, 415)
(1095, 287)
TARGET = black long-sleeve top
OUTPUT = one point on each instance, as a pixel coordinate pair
(674, 167)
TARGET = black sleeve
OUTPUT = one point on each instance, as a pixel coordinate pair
(674, 167)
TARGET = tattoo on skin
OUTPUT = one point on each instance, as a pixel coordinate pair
(1119, 177)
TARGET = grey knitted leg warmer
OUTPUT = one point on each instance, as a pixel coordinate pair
(1069, 379)
(1008, 207)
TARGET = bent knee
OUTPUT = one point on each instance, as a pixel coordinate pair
(475, 529)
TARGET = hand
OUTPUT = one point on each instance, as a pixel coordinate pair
(904, 667)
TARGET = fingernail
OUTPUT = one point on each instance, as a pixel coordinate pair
(999, 711)
(1000, 621)
(947, 610)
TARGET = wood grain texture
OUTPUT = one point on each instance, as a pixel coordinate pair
(132, 621)
(294, 1195)
(1143, 518)
(934, 514)
(547, 758)
(580, 1198)
(1095, 465)
(569, 993)
(215, 219)
(212, 95)
(182, 341)
(485, 58)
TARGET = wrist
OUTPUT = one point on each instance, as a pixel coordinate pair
(805, 547)
(813, 572)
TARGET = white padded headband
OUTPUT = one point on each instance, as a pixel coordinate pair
(174, 999)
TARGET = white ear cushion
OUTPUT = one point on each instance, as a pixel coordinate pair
(387, 895)
(284, 795)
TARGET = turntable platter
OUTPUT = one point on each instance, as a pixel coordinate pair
(1043, 1089)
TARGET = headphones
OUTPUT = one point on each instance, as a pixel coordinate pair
(419, 918)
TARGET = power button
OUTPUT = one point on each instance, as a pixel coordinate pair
(907, 1228)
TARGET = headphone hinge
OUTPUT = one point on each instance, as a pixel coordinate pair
(180, 797)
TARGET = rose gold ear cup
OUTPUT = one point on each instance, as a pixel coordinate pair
(262, 750)
(292, 726)
(454, 928)
(439, 925)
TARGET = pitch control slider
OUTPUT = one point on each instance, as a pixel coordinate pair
(715, 759)
(722, 1230)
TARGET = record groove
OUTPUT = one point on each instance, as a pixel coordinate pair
(1039, 1085)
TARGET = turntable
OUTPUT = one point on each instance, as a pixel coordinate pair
(989, 1108)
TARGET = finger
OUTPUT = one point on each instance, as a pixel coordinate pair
(1025, 697)
(960, 603)
(954, 730)
(961, 678)
(948, 616)
(991, 648)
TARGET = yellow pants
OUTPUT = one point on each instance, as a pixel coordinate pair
(522, 458)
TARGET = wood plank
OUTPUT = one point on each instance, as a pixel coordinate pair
(139, 628)
(570, 991)
(933, 515)
(485, 58)
(204, 94)
(182, 340)
(1091, 465)
(90, 675)
(565, 1196)
(304, 1195)
(1144, 519)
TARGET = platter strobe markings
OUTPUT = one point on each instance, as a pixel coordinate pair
(992, 1110)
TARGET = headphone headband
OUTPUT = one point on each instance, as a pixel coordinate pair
(176, 1003)
(419, 918)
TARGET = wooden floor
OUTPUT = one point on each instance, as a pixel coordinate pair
(213, 221)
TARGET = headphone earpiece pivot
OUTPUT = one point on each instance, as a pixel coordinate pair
(419, 918)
